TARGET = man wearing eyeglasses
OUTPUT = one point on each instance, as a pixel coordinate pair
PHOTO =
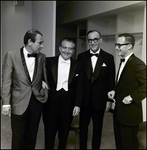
(130, 90)
(99, 79)
(65, 77)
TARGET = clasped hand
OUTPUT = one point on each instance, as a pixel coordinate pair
(6, 110)
(76, 111)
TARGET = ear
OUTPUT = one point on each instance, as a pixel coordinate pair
(101, 40)
(29, 42)
(130, 46)
(60, 49)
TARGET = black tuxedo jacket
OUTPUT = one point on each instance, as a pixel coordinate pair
(104, 79)
(132, 82)
(75, 81)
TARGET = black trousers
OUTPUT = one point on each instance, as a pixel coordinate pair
(125, 136)
(57, 117)
(97, 118)
(25, 126)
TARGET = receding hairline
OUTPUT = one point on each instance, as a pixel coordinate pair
(92, 31)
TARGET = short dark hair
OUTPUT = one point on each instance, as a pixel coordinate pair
(128, 37)
(67, 39)
(94, 31)
(31, 34)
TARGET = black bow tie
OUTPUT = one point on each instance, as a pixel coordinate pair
(32, 55)
(94, 54)
(122, 60)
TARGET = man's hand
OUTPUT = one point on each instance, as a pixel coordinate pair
(127, 100)
(108, 106)
(76, 111)
(44, 85)
(111, 95)
(6, 110)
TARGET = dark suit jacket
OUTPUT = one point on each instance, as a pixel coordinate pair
(17, 87)
(132, 82)
(104, 79)
(75, 81)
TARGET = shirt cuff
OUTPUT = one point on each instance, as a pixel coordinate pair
(6, 105)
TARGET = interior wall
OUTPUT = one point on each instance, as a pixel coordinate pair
(44, 20)
(91, 8)
(144, 59)
(15, 21)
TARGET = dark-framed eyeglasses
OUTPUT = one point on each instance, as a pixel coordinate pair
(95, 40)
(119, 45)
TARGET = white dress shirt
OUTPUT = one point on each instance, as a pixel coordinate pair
(123, 65)
(63, 73)
(30, 62)
(94, 59)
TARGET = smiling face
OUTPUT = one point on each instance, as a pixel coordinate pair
(66, 49)
(94, 41)
(123, 47)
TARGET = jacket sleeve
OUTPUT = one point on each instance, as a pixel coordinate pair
(140, 74)
(7, 69)
(79, 87)
(45, 71)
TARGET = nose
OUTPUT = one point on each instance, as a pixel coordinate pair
(41, 45)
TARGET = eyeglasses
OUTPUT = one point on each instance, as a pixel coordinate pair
(69, 48)
(95, 40)
(119, 45)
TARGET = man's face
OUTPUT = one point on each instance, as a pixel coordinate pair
(122, 47)
(66, 49)
(38, 44)
(94, 41)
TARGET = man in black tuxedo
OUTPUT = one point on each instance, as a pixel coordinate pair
(99, 79)
(129, 91)
(65, 77)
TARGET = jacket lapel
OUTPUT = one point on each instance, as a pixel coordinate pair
(24, 65)
(37, 62)
(98, 65)
(72, 70)
(89, 65)
(54, 68)
(125, 68)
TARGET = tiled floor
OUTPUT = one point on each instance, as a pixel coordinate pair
(106, 143)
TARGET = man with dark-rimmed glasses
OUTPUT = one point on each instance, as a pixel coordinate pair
(130, 90)
(99, 79)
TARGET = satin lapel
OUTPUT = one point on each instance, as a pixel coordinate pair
(72, 71)
(89, 66)
(54, 68)
(125, 68)
(37, 62)
(24, 65)
(98, 65)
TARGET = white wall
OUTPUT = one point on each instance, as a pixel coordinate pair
(15, 21)
(44, 20)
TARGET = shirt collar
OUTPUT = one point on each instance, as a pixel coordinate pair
(62, 60)
(25, 51)
(95, 52)
(127, 57)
